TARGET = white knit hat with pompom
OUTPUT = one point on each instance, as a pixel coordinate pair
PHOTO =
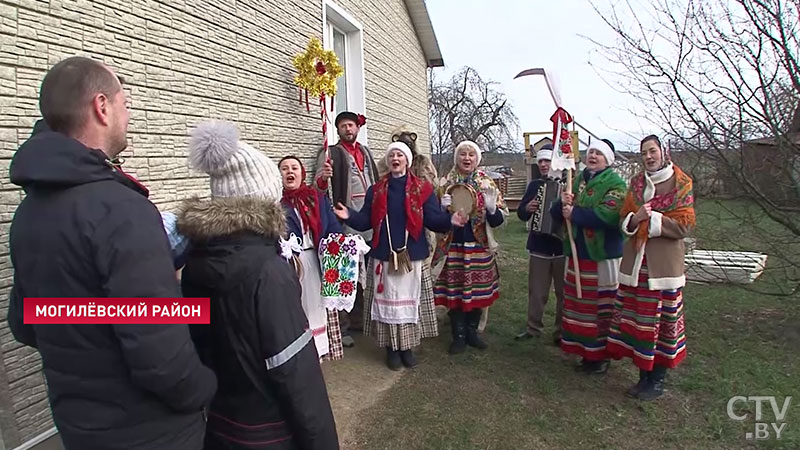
(236, 169)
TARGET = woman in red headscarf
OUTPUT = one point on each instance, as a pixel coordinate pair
(397, 209)
(310, 219)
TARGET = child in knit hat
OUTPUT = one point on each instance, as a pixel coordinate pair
(258, 342)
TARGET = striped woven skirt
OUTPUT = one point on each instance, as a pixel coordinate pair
(586, 321)
(648, 326)
(469, 280)
(404, 336)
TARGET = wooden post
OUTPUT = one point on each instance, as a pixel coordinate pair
(573, 247)
(572, 242)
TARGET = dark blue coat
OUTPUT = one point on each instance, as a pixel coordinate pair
(330, 224)
(434, 218)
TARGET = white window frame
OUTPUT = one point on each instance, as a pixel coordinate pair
(334, 16)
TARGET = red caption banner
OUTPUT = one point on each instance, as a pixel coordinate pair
(117, 311)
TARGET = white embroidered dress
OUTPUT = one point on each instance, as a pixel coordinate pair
(311, 299)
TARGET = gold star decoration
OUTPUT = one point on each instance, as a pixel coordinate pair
(317, 69)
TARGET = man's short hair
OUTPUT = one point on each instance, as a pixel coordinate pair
(68, 89)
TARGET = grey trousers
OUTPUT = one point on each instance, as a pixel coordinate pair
(541, 272)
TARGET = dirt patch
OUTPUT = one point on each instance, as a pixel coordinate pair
(356, 383)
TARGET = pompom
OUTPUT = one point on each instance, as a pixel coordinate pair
(211, 145)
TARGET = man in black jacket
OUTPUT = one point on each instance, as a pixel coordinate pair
(546, 256)
(85, 229)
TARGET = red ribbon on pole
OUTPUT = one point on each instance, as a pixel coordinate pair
(561, 139)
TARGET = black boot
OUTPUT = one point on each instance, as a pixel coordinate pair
(458, 326)
(408, 358)
(655, 386)
(473, 338)
(393, 359)
(644, 378)
(596, 367)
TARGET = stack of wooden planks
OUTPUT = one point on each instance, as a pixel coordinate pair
(717, 266)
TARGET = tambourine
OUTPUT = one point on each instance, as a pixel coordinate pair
(464, 199)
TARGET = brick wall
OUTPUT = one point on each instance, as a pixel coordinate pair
(184, 61)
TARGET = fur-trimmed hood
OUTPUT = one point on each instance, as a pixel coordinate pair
(201, 220)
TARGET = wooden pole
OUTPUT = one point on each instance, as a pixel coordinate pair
(573, 247)
(572, 242)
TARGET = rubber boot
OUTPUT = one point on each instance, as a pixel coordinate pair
(408, 358)
(597, 367)
(393, 359)
(473, 338)
(457, 324)
(655, 386)
(644, 378)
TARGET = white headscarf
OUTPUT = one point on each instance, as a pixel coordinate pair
(469, 145)
(659, 176)
(399, 146)
(603, 148)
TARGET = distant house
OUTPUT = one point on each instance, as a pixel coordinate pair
(185, 62)
(773, 164)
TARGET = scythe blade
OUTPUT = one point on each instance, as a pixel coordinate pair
(540, 71)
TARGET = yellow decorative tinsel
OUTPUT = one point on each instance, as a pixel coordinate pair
(317, 69)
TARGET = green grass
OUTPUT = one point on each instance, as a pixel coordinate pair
(743, 226)
(527, 395)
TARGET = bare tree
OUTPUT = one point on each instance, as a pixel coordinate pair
(468, 108)
(723, 80)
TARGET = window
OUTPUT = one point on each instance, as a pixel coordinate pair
(340, 48)
(344, 35)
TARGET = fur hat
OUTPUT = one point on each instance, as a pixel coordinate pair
(236, 169)
(403, 148)
(467, 145)
(404, 134)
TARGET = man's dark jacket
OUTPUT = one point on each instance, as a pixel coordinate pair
(84, 230)
(340, 163)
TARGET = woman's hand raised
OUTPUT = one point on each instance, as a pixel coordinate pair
(341, 211)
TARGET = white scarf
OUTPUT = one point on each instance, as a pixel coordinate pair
(657, 177)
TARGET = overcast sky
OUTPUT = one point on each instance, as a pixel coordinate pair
(500, 38)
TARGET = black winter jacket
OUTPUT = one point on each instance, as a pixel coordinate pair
(85, 230)
(271, 391)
